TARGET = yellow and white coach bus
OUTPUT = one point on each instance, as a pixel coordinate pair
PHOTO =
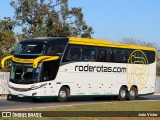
(78, 67)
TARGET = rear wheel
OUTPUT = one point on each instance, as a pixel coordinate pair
(122, 93)
(63, 94)
(132, 93)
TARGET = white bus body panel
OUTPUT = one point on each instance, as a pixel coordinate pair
(94, 83)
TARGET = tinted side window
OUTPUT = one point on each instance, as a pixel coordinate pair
(101, 55)
(119, 55)
(109, 55)
(150, 56)
(139, 58)
(55, 50)
(73, 53)
(88, 54)
(128, 53)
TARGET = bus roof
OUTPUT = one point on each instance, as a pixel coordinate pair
(87, 41)
(106, 43)
(43, 39)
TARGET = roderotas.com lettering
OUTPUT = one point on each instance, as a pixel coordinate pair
(101, 68)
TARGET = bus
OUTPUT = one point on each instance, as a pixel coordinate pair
(80, 67)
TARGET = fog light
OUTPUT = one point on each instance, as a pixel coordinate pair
(34, 94)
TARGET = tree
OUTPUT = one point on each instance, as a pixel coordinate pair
(50, 19)
(7, 40)
(132, 41)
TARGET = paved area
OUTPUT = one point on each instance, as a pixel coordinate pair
(28, 103)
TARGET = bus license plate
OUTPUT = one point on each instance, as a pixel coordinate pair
(20, 95)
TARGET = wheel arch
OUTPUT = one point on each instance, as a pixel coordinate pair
(125, 86)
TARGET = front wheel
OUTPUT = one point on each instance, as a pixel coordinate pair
(63, 94)
(132, 93)
(9, 97)
(122, 93)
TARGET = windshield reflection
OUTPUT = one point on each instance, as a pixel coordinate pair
(35, 49)
(24, 74)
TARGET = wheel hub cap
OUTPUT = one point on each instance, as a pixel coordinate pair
(132, 93)
(63, 94)
(123, 93)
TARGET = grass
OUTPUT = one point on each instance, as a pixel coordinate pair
(113, 106)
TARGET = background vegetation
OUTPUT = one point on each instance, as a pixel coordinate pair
(101, 107)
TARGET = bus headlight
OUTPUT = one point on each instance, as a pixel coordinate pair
(33, 87)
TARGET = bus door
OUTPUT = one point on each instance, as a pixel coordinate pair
(49, 73)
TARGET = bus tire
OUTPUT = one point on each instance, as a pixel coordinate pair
(122, 94)
(9, 97)
(132, 94)
(63, 94)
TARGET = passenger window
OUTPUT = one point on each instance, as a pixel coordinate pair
(150, 56)
(74, 54)
(55, 50)
(119, 55)
(109, 55)
(88, 54)
(128, 53)
(101, 56)
(139, 58)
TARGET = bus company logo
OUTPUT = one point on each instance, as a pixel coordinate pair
(138, 69)
(88, 68)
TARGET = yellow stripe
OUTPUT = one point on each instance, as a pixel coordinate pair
(105, 43)
(43, 59)
(34, 61)
(51, 58)
(37, 60)
(20, 60)
(4, 59)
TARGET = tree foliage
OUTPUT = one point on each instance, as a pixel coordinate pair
(50, 18)
(132, 41)
(7, 40)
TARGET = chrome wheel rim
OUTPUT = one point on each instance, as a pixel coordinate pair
(63, 94)
(132, 93)
(123, 93)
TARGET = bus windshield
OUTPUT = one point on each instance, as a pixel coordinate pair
(24, 74)
(28, 48)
